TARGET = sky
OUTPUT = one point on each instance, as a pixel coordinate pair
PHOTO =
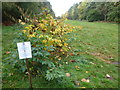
(62, 6)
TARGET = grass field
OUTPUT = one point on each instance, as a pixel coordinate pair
(96, 47)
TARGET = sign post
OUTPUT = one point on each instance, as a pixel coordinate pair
(29, 75)
(24, 50)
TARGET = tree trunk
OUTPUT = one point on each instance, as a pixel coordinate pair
(105, 17)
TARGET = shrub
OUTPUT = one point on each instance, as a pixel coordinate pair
(94, 15)
(49, 44)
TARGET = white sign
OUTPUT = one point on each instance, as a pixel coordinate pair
(24, 50)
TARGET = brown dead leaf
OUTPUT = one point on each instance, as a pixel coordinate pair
(61, 50)
(7, 52)
(82, 87)
(71, 54)
(59, 58)
(85, 80)
(72, 61)
(68, 74)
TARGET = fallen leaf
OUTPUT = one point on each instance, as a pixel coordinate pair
(72, 61)
(59, 58)
(107, 75)
(110, 57)
(77, 67)
(61, 50)
(68, 74)
(66, 62)
(85, 80)
(7, 52)
(82, 87)
(71, 54)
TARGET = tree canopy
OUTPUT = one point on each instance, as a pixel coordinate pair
(11, 11)
(94, 11)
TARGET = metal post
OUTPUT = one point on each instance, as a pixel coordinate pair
(29, 76)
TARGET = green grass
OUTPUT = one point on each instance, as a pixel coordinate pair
(95, 37)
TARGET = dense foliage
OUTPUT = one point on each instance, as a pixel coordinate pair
(47, 35)
(12, 11)
(94, 11)
(50, 44)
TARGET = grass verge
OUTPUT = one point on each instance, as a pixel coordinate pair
(94, 43)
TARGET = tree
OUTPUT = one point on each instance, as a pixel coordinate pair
(94, 11)
(93, 15)
(11, 11)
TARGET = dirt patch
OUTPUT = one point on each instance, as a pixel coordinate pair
(8, 23)
(115, 62)
(103, 58)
